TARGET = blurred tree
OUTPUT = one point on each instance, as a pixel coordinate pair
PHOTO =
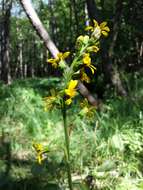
(6, 6)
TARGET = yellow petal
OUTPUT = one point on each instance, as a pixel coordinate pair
(95, 49)
(39, 158)
(106, 28)
(38, 147)
(87, 59)
(89, 28)
(51, 60)
(93, 67)
(103, 24)
(68, 101)
(95, 23)
(92, 70)
(104, 33)
(84, 77)
(97, 32)
(66, 54)
(60, 55)
(73, 84)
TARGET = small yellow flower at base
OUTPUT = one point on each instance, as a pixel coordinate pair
(87, 62)
(39, 150)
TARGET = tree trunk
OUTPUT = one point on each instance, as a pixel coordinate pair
(110, 73)
(92, 10)
(5, 44)
(115, 76)
(41, 31)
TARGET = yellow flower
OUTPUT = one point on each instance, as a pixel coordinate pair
(84, 76)
(60, 57)
(94, 49)
(83, 39)
(68, 101)
(98, 29)
(87, 62)
(87, 110)
(104, 28)
(54, 62)
(39, 150)
(63, 56)
(49, 102)
(71, 91)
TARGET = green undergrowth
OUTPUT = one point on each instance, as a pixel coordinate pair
(106, 150)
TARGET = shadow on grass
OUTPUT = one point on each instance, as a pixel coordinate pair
(18, 174)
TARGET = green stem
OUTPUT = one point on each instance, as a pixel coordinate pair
(67, 145)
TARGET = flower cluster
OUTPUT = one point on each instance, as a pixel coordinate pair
(86, 45)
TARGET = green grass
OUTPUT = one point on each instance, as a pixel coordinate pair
(107, 147)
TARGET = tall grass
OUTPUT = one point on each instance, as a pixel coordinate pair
(107, 147)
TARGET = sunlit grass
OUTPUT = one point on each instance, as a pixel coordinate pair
(107, 147)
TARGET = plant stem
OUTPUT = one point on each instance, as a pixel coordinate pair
(67, 145)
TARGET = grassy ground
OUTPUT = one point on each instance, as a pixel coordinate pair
(106, 146)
